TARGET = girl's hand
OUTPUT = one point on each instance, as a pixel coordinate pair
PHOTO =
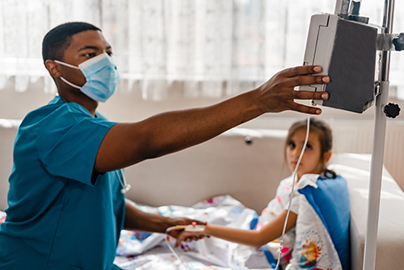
(189, 236)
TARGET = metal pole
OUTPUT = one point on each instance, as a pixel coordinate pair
(378, 148)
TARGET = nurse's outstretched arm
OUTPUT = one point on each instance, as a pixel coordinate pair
(130, 143)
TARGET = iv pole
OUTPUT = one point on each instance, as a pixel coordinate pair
(378, 147)
(342, 9)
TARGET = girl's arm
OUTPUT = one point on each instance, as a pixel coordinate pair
(253, 238)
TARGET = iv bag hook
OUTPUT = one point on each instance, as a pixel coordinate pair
(342, 7)
(349, 10)
(345, 7)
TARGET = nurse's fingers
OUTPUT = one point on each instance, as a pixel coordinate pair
(300, 70)
(304, 95)
(306, 80)
(310, 95)
(306, 109)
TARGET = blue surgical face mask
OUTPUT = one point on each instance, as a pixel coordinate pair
(101, 77)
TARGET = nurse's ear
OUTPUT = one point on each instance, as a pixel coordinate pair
(52, 68)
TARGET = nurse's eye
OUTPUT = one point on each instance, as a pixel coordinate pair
(109, 53)
(89, 55)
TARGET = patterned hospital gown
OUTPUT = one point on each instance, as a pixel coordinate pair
(275, 207)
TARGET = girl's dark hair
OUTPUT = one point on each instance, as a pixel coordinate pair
(325, 136)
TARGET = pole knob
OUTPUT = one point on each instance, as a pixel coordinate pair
(392, 110)
(398, 42)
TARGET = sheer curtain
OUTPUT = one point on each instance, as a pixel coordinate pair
(210, 48)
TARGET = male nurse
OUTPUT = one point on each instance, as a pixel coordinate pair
(66, 198)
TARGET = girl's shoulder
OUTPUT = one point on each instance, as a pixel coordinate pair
(288, 181)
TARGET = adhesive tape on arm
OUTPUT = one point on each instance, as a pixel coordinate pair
(196, 228)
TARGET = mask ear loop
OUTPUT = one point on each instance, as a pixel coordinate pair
(291, 192)
(66, 64)
(69, 83)
(63, 79)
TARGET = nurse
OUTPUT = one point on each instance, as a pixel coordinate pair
(66, 198)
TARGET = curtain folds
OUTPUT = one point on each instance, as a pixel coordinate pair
(206, 48)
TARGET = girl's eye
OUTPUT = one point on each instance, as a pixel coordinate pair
(292, 145)
(309, 147)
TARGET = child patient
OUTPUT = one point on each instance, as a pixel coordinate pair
(271, 222)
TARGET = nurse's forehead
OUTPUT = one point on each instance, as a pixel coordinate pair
(89, 39)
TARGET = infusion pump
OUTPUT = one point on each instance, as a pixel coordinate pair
(346, 50)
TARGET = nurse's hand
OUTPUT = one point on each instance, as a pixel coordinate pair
(278, 93)
(186, 236)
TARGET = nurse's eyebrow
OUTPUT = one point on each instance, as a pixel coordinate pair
(92, 47)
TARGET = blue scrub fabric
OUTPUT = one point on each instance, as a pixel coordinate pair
(61, 215)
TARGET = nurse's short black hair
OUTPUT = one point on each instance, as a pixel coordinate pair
(57, 40)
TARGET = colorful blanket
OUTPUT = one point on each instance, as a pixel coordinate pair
(321, 234)
(2, 216)
(150, 251)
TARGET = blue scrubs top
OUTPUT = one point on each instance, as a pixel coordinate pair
(61, 215)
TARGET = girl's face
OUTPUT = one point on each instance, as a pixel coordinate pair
(311, 161)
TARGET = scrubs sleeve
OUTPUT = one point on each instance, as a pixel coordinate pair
(70, 150)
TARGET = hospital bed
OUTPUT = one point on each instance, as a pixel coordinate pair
(248, 164)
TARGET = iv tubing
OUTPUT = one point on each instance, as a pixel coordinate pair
(175, 253)
(291, 192)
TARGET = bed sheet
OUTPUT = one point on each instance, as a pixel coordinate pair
(322, 229)
(150, 251)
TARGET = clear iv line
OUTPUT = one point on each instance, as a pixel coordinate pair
(175, 253)
(291, 193)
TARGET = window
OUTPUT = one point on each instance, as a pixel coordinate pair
(213, 48)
